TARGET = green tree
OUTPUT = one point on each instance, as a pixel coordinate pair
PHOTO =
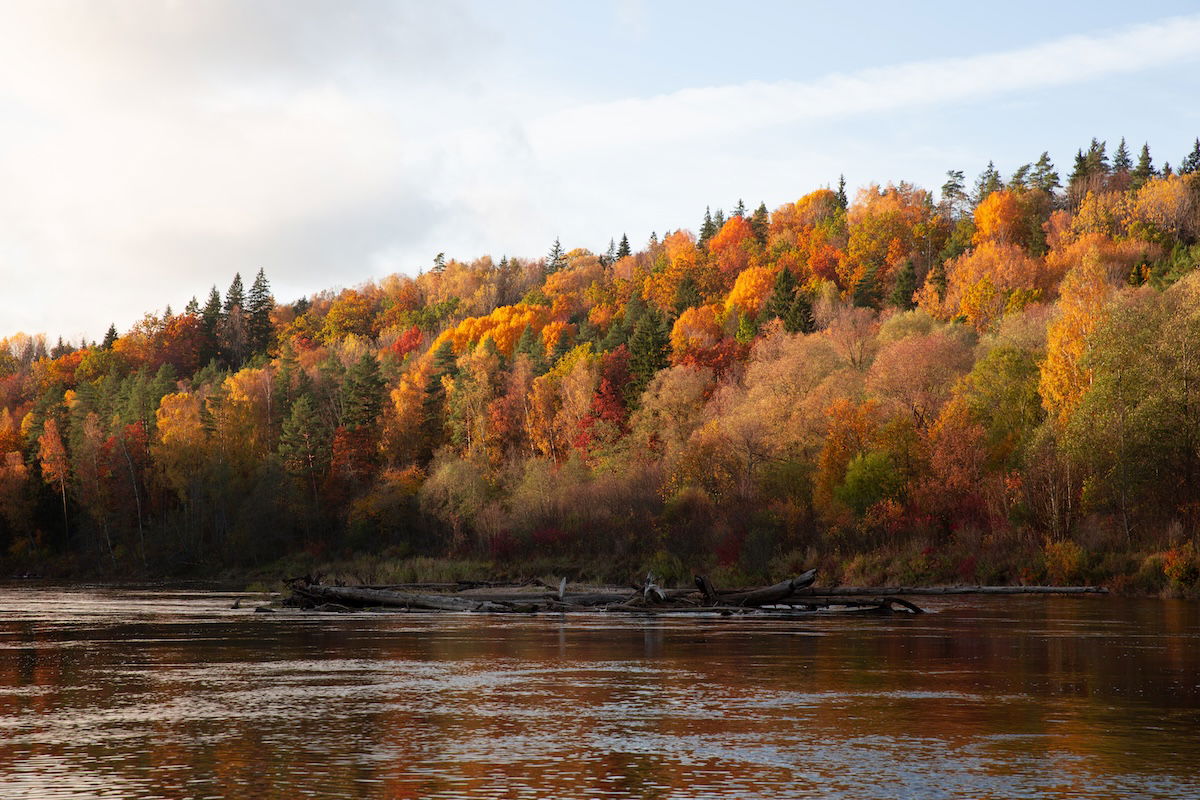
(905, 287)
(1191, 162)
(235, 295)
(782, 295)
(1144, 170)
(556, 259)
(988, 181)
(1121, 160)
(760, 223)
(1044, 176)
(259, 305)
(649, 348)
(623, 248)
(109, 338)
(304, 443)
(687, 294)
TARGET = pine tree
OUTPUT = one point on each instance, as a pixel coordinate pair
(740, 209)
(1191, 162)
(760, 223)
(842, 202)
(649, 347)
(866, 288)
(623, 248)
(210, 317)
(235, 297)
(610, 255)
(304, 443)
(192, 307)
(782, 295)
(260, 303)
(555, 260)
(905, 287)
(747, 328)
(718, 221)
(109, 338)
(1044, 176)
(988, 181)
(954, 195)
(1020, 177)
(1079, 173)
(687, 294)
(362, 393)
(439, 264)
(434, 404)
(1097, 158)
(1121, 160)
(799, 316)
(708, 228)
(530, 345)
(1144, 170)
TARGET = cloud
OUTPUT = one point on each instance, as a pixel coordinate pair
(714, 112)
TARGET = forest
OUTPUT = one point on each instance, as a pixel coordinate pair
(999, 383)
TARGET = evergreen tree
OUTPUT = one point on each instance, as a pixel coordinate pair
(235, 297)
(687, 295)
(1121, 160)
(937, 277)
(1020, 178)
(109, 338)
(1044, 176)
(304, 443)
(740, 209)
(623, 248)
(529, 344)
(866, 288)
(260, 303)
(439, 264)
(718, 221)
(610, 255)
(842, 202)
(168, 313)
(905, 287)
(988, 181)
(1079, 173)
(649, 347)
(954, 196)
(1144, 170)
(782, 295)
(434, 404)
(707, 228)
(1191, 162)
(760, 223)
(799, 316)
(1166, 169)
(1097, 158)
(556, 259)
(362, 393)
(192, 307)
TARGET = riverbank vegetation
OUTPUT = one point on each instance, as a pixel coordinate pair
(999, 383)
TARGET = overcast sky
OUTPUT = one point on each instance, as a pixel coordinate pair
(151, 149)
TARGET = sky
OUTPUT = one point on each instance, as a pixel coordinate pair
(151, 149)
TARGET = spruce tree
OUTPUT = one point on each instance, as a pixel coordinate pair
(740, 209)
(362, 393)
(304, 443)
(439, 263)
(623, 248)
(529, 344)
(1097, 158)
(1020, 177)
(610, 255)
(1191, 162)
(708, 227)
(649, 347)
(687, 295)
(555, 260)
(842, 201)
(782, 295)
(210, 317)
(109, 338)
(718, 221)
(799, 316)
(1144, 170)
(434, 402)
(235, 297)
(1121, 160)
(760, 223)
(905, 287)
(259, 304)
(192, 307)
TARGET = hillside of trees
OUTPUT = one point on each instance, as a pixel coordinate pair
(996, 383)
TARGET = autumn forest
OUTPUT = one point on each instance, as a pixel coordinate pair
(997, 381)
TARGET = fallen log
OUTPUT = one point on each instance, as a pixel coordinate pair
(873, 591)
(359, 597)
(755, 597)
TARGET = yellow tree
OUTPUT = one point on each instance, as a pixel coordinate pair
(1085, 293)
(53, 458)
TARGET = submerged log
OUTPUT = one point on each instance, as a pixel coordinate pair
(874, 591)
(359, 597)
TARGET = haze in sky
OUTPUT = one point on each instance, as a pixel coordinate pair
(152, 149)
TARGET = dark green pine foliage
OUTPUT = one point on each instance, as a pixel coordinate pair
(210, 316)
(259, 305)
(109, 338)
(649, 348)
(954, 196)
(937, 277)
(1121, 160)
(1044, 176)
(799, 316)
(782, 296)
(1079, 172)
(747, 328)
(842, 201)
(687, 295)
(192, 307)
(866, 291)
(708, 228)
(1144, 170)
(439, 263)
(304, 443)
(235, 297)
(556, 259)
(623, 248)
(1097, 158)
(718, 221)
(362, 393)
(905, 287)
(988, 181)
(740, 209)
(1020, 178)
(433, 423)
(529, 345)
(760, 223)
(1191, 162)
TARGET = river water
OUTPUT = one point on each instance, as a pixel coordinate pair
(136, 694)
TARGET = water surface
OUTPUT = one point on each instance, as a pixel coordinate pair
(137, 694)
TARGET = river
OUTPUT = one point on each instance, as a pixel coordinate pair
(110, 693)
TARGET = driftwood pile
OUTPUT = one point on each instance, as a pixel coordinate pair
(787, 597)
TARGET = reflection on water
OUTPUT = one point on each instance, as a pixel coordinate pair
(123, 694)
